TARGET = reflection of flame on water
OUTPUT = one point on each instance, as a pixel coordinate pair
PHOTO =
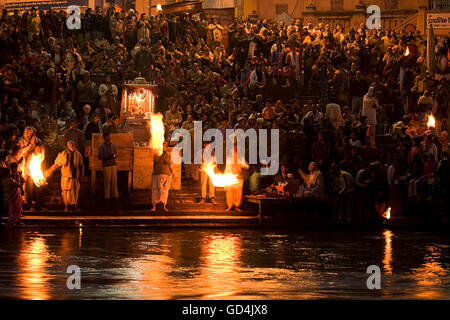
(157, 133)
(431, 121)
(220, 179)
(219, 272)
(33, 275)
(34, 167)
(430, 274)
(387, 260)
(387, 213)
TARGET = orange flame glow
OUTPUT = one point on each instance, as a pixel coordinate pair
(157, 133)
(407, 52)
(387, 213)
(431, 121)
(220, 179)
(34, 167)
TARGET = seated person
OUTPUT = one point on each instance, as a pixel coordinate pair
(281, 180)
(314, 184)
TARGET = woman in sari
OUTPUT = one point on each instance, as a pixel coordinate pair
(11, 180)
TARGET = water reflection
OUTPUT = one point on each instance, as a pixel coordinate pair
(387, 261)
(219, 272)
(32, 275)
(80, 236)
(431, 275)
(222, 264)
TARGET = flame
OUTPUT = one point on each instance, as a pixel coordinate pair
(220, 179)
(431, 121)
(407, 52)
(157, 133)
(158, 7)
(34, 167)
(387, 213)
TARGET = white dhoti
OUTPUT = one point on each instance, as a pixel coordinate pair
(160, 188)
(70, 188)
(234, 195)
(207, 187)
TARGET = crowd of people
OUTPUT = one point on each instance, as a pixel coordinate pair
(330, 92)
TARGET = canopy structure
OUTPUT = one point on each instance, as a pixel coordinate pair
(183, 7)
(25, 5)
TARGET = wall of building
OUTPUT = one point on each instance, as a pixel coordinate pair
(267, 8)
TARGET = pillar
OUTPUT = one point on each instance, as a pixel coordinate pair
(248, 6)
(359, 15)
(421, 20)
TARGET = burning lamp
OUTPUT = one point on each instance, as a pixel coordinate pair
(158, 7)
(387, 214)
(431, 121)
(407, 52)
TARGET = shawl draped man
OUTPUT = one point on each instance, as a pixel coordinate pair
(162, 173)
(72, 169)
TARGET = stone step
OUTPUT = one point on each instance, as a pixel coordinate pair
(142, 213)
(164, 219)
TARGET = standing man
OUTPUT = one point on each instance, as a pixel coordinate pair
(28, 141)
(358, 88)
(72, 169)
(215, 33)
(207, 187)
(233, 193)
(110, 92)
(162, 173)
(108, 154)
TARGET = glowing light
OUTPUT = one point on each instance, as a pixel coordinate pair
(157, 133)
(431, 121)
(407, 52)
(138, 97)
(387, 213)
(387, 260)
(34, 167)
(221, 255)
(158, 7)
(33, 276)
(220, 179)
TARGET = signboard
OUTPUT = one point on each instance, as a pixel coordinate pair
(23, 5)
(124, 143)
(142, 168)
(439, 20)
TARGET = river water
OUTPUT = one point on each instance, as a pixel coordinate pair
(131, 263)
